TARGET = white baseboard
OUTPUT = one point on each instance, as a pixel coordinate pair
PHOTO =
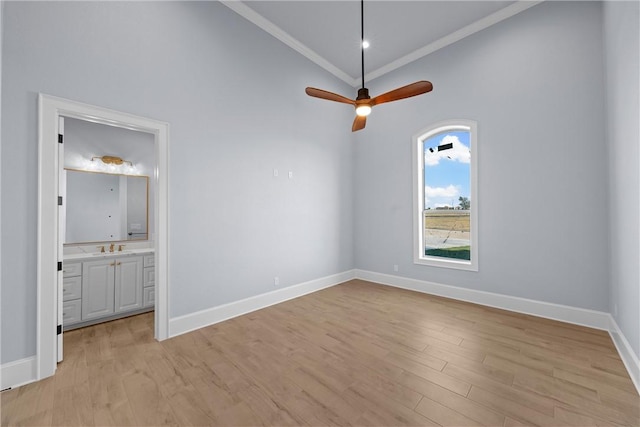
(629, 358)
(19, 372)
(579, 316)
(24, 371)
(564, 313)
(190, 322)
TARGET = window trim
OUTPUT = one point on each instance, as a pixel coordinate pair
(418, 195)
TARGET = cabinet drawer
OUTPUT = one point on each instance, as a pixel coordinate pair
(70, 269)
(72, 288)
(71, 311)
(148, 296)
(149, 277)
(149, 260)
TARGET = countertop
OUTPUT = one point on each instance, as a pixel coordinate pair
(84, 256)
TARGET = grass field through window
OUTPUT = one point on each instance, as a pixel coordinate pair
(447, 233)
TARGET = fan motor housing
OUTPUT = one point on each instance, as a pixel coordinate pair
(363, 93)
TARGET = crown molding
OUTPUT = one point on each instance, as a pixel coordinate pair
(251, 15)
(458, 35)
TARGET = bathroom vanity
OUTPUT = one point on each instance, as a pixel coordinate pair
(103, 286)
(108, 262)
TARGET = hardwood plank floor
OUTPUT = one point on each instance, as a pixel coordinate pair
(354, 354)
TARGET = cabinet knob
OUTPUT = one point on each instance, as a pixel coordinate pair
(118, 263)
(112, 264)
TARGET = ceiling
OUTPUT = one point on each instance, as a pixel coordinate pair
(328, 32)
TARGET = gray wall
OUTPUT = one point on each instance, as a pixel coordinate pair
(534, 83)
(621, 34)
(235, 101)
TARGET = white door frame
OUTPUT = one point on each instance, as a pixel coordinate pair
(50, 108)
(62, 226)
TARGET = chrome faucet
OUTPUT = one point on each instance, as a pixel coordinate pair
(111, 246)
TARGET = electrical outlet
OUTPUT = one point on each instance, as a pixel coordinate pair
(290, 174)
(276, 281)
(395, 267)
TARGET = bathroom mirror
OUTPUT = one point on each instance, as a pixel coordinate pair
(103, 207)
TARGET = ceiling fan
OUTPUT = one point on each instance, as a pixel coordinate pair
(363, 102)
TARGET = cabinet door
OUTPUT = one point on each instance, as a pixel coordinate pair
(149, 277)
(128, 284)
(97, 288)
(149, 296)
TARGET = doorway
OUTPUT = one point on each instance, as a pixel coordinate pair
(49, 270)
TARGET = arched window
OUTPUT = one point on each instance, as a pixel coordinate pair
(445, 195)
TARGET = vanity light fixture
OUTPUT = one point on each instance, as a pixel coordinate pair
(111, 164)
(112, 160)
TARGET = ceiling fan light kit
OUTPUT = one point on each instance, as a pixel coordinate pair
(363, 110)
(363, 102)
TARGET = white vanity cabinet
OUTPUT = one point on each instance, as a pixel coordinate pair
(111, 286)
(106, 287)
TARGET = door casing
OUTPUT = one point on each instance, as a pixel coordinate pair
(50, 108)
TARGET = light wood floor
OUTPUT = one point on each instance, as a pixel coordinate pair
(353, 354)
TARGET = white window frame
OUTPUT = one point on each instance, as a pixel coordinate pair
(418, 195)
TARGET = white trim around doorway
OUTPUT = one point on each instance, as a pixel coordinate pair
(50, 108)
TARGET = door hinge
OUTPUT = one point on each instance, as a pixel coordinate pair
(60, 138)
(59, 265)
(59, 200)
(59, 330)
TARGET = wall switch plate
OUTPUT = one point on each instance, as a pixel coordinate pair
(290, 174)
(276, 281)
(395, 267)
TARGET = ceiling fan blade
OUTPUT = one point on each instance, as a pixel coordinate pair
(359, 123)
(407, 91)
(323, 94)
